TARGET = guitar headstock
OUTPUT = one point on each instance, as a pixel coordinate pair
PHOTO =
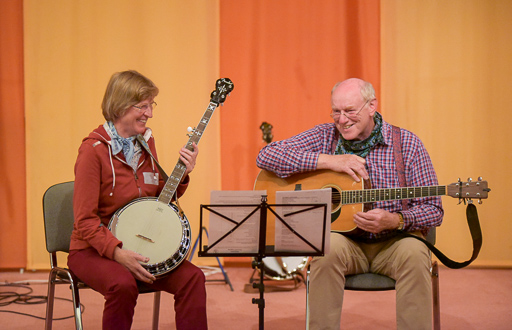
(469, 190)
(223, 87)
(266, 129)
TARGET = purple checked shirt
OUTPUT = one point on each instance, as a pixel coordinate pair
(300, 154)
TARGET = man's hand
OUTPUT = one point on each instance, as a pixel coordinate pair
(130, 260)
(353, 165)
(377, 220)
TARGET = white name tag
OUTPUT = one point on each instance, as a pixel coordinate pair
(151, 178)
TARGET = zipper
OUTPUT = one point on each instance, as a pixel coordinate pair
(136, 177)
(137, 183)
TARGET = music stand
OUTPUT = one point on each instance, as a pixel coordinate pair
(262, 250)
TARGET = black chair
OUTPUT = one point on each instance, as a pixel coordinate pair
(58, 225)
(377, 282)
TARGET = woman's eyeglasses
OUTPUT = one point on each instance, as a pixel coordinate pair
(145, 107)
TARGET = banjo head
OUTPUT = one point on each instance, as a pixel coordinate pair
(155, 230)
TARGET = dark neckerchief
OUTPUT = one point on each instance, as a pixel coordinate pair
(362, 148)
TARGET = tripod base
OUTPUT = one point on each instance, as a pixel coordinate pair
(226, 277)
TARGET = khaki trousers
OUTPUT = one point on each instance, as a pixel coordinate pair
(406, 260)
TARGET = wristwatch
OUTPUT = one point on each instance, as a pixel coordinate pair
(402, 223)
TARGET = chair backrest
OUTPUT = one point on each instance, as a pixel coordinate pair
(58, 216)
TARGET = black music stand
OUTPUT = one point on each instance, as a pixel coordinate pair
(263, 250)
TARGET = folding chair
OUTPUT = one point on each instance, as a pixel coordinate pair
(58, 225)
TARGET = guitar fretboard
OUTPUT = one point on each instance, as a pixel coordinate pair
(179, 170)
(377, 195)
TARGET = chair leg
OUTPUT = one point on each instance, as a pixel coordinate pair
(308, 271)
(156, 309)
(76, 306)
(51, 298)
(49, 301)
(435, 296)
(76, 302)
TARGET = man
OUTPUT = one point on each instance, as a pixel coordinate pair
(360, 143)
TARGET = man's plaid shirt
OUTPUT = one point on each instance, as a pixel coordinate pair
(300, 154)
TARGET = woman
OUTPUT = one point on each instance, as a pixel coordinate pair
(112, 169)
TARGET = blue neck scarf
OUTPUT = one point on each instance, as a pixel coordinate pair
(120, 143)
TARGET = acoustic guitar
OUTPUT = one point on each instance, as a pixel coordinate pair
(350, 197)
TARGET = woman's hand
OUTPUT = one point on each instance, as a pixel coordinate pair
(189, 158)
(130, 260)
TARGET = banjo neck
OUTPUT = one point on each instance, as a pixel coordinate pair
(223, 87)
(179, 170)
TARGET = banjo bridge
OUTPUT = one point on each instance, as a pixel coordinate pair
(145, 238)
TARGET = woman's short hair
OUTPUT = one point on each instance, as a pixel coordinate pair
(126, 89)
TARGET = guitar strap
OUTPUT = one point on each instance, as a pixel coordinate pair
(471, 213)
(164, 175)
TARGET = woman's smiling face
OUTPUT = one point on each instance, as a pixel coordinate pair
(134, 120)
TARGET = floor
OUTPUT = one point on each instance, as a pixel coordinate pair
(470, 299)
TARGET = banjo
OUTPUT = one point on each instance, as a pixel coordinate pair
(153, 226)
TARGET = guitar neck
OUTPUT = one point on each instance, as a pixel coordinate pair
(377, 195)
(179, 170)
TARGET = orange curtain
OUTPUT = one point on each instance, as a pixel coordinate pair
(284, 57)
(13, 215)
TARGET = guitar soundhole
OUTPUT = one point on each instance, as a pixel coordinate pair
(335, 198)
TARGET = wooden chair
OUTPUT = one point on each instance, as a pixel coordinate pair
(58, 225)
(377, 282)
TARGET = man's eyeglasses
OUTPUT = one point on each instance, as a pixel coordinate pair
(350, 114)
(145, 107)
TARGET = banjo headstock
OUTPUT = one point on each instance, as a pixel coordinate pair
(224, 86)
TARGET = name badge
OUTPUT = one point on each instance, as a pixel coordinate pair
(151, 178)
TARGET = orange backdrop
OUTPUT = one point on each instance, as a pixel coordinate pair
(441, 70)
(284, 57)
(13, 215)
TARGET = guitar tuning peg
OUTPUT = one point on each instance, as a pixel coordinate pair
(480, 178)
(470, 180)
(189, 129)
(479, 201)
